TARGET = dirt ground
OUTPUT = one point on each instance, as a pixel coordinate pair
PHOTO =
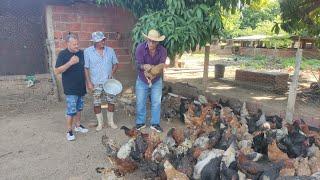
(32, 135)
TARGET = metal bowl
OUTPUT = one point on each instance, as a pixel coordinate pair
(112, 86)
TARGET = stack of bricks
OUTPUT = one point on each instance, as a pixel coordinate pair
(277, 82)
(83, 19)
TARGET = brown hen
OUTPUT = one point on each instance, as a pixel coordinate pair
(198, 121)
(153, 141)
(177, 135)
(123, 166)
(276, 155)
(172, 173)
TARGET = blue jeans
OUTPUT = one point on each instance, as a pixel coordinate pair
(74, 104)
(142, 92)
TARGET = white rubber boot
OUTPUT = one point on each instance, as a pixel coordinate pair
(100, 121)
(110, 120)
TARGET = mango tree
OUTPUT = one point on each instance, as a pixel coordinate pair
(185, 23)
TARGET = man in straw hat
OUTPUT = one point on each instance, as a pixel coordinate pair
(100, 65)
(150, 59)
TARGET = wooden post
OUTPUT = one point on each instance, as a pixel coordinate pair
(51, 52)
(293, 88)
(206, 67)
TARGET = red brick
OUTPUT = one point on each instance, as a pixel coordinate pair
(84, 36)
(68, 18)
(73, 27)
(60, 26)
(84, 44)
(58, 35)
(93, 19)
(56, 17)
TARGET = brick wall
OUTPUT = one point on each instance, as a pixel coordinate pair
(273, 81)
(308, 53)
(83, 19)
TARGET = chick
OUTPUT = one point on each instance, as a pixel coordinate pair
(172, 173)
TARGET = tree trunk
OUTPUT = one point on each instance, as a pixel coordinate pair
(174, 60)
(206, 67)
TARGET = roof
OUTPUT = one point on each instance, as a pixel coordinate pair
(251, 38)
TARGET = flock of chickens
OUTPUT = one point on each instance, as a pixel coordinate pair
(218, 142)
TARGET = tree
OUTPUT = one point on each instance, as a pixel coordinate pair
(301, 17)
(185, 23)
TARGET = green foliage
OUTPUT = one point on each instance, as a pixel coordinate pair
(301, 16)
(312, 64)
(255, 14)
(278, 42)
(184, 32)
(260, 17)
(262, 62)
(185, 23)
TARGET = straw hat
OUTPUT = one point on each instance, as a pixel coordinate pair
(154, 35)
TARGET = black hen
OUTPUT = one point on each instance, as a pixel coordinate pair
(277, 120)
(211, 171)
(183, 108)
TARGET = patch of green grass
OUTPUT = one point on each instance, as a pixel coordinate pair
(312, 64)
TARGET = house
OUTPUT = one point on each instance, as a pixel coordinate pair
(33, 32)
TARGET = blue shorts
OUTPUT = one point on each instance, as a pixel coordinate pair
(74, 104)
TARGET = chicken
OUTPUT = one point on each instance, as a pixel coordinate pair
(198, 121)
(275, 154)
(125, 149)
(172, 173)
(229, 155)
(228, 158)
(108, 174)
(153, 141)
(177, 135)
(287, 172)
(160, 153)
(303, 168)
(183, 107)
(189, 114)
(137, 153)
(130, 132)
(314, 161)
(183, 147)
(244, 113)
(211, 170)
(157, 69)
(205, 159)
(123, 166)
(202, 142)
(296, 143)
(186, 163)
(111, 147)
(251, 168)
